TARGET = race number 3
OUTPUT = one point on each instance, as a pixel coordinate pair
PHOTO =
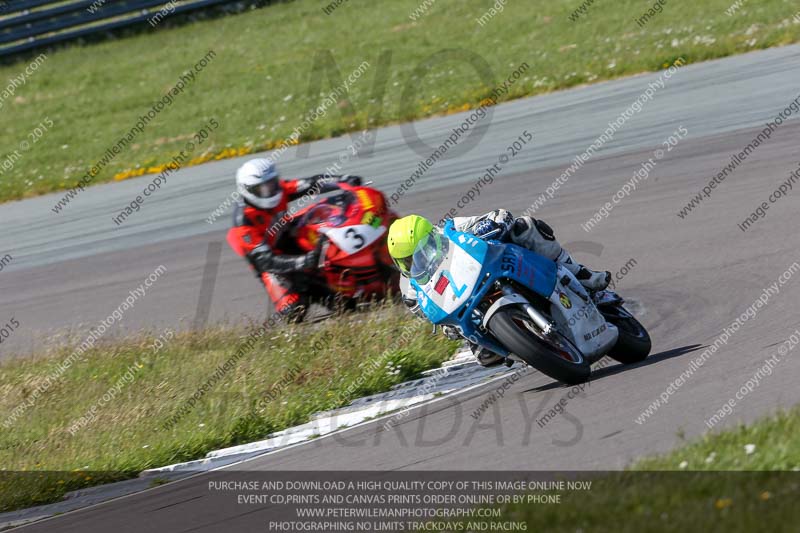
(356, 237)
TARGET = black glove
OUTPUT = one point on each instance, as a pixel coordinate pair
(354, 181)
(264, 259)
(311, 259)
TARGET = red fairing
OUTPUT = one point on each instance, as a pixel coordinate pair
(365, 272)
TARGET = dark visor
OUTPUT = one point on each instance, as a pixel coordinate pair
(267, 189)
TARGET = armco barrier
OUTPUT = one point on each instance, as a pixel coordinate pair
(30, 24)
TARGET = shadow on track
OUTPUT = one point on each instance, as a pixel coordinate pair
(618, 367)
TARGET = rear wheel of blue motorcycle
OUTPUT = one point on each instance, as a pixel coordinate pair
(556, 356)
(633, 344)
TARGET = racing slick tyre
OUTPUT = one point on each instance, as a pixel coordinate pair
(553, 355)
(633, 344)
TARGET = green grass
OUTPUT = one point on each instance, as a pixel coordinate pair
(632, 502)
(719, 488)
(43, 460)
(258, 86)
(776, 440)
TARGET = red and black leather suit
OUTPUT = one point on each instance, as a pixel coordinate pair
(262, 237)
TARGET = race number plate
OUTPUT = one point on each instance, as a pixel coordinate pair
(352, 239)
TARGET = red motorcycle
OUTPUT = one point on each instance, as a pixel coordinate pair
(355, 264)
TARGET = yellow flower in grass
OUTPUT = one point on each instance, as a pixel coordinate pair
(764, 496)
(722, 503)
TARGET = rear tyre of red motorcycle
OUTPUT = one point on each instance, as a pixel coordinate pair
(554, 356)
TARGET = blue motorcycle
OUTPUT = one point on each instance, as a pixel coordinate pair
(522, 306)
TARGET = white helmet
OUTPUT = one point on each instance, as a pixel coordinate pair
(257, 182)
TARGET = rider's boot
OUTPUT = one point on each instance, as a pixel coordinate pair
(485, 356)
(591, 279)
(536, 235)
(287, 301)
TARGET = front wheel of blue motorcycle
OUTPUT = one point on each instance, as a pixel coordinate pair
(553, 354)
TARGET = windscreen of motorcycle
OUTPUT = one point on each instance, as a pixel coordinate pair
(451, 284)
(352, 239)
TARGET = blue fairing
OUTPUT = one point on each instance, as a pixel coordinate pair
(523, 266)
(498, 260)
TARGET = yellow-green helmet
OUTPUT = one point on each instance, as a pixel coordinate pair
(404, 236)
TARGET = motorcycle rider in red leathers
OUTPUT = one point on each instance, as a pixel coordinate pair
(260, 224)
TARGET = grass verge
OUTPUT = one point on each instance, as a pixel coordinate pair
(288, 374)
(631, 502)
(269, 73)
(772, 443)
(740, 480)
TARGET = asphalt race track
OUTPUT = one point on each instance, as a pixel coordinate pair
(692, 277)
